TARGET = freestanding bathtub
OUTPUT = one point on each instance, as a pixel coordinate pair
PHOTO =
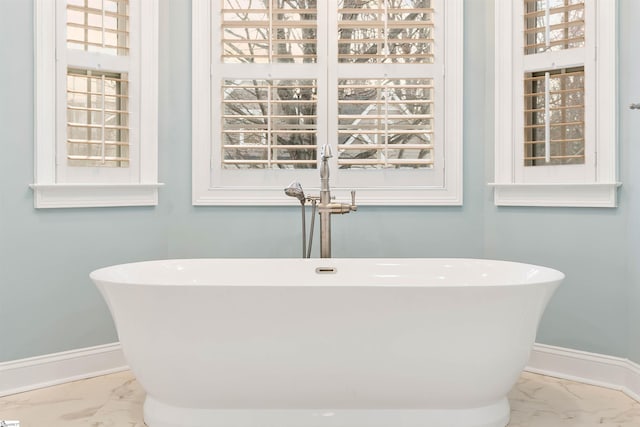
(326, 342)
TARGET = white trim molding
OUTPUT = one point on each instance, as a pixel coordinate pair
(590, 368)
(94, 195)
(44, 371)
(598, 195)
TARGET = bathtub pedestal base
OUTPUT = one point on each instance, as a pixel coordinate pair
(158, 414)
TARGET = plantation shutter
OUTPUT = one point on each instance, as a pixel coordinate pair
(268, 123)
(382, 122)
(554, 82)
(275, 79)
(386, 122)
(97, 84)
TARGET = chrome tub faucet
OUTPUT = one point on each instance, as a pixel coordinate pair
(325, 206)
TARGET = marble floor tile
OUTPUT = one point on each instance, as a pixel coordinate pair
(111, 400)
(116, 401)
(539, 401)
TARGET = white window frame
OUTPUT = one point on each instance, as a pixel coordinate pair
(207, 190)
(593, 184)
(56, 185)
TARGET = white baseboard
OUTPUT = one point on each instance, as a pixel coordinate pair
(589, 368)
(44, 371)
(52, 369)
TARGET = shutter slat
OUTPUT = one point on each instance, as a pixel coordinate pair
(579, 123)
(106, 110)
(382, 162)
(556, 141)
(268, 162)
(567, 107)
(96, 126)
(381, 11)
(241, 11)
(575, 156)
(382, 24)
(561, 26)
(93, 142)
(92, 27)
(382, 146)
(554, 74)
(557, 42)
(258, 131)
(553, 10)
(80, 92)
(555, 92)
(272, 147)
(97, 158)
(382, 132)
(274, 116)
(409, 101)
(386, 117)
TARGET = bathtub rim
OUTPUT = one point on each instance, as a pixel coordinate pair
(106, 275)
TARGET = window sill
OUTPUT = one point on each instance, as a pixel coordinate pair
(248, 196)
(600, 195)
(94, 195)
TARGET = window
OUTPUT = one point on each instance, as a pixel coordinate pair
(555, 103)
(275, 80)
(96, 96)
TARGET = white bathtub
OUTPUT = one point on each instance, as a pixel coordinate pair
(319, 343)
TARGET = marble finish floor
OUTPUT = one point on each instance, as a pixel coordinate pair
(116, 401)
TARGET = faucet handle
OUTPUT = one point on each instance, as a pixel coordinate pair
(353, 200)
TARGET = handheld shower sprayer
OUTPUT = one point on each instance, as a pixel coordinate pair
(295, 190)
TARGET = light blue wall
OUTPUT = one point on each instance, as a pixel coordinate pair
(237, 232)
(592, 310)
(630, 141)
(47, 303)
